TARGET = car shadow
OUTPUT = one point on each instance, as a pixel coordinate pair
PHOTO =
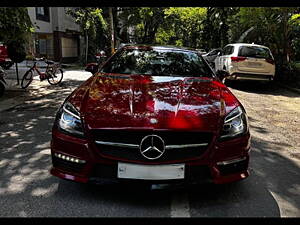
(261, 87)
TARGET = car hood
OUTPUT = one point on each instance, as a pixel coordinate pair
(152, 102)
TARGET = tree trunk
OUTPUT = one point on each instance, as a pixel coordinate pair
(285, 38)
(112, 31)
(86, 46)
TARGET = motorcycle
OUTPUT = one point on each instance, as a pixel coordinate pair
(2, 81)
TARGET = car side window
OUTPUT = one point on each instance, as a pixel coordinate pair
(228, 50)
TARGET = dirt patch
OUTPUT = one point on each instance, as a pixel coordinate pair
(274, 115)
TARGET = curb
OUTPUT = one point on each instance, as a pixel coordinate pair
(296, 90)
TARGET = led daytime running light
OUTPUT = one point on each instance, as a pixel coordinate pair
(69, 158)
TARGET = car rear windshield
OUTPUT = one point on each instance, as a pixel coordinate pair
(255, 52)
(157, 62)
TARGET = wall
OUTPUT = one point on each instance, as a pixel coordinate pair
(64, 21)
(44, 27)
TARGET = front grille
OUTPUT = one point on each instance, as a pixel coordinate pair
(135, 137)
(66, 165)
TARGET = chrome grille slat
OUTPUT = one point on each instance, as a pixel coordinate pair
(125, 145)
(116, 144)
(186, 146)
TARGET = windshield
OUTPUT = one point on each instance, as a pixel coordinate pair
(157, 62)
(254, 51)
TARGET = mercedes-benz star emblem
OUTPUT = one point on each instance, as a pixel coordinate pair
(153, 121)
(152, 147)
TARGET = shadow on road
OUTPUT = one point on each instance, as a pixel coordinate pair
(261, 87)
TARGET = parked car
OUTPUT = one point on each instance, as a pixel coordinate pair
(5, 61)
(153, 114)
(211, 56)
(246, 61)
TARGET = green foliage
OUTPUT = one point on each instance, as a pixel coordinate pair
(182, 26)
(92, 26)
(217, 32)
(15, 25)
(294, 23)
(89, 19)
(146, 22)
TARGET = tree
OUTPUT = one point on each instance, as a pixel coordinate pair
(16, 28)
(15, 25)
(91, 22)
(217, 31)
(182, 26)
(145, 22)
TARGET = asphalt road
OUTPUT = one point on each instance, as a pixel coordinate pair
(272, 190)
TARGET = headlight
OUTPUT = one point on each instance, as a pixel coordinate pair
(68, 120)
(235, 124)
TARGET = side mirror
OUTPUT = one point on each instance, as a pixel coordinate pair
(219, 53)
(92, 67)
(221, 74)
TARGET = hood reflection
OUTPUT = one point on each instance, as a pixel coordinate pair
(132, 101)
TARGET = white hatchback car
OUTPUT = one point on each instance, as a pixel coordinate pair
(246, 62)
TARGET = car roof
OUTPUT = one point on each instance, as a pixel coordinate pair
(246, 44)
(160, 47)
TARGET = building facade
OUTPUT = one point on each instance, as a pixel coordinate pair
(56, 35)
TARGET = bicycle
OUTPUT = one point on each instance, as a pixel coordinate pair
(53, 73)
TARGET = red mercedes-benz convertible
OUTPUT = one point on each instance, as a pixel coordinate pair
(152, 113)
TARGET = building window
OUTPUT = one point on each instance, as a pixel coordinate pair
(44, 45)
(42, 13)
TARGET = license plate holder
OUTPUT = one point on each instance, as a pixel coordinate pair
(254, 64)
(151, 172)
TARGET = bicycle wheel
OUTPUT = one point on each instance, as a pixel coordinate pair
(55, 77)
(27, 79)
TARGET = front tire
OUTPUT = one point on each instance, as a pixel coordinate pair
(55, 78)
(27, 79)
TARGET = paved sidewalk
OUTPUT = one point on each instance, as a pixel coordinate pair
(14, 95)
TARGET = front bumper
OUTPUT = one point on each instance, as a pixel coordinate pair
(224, 162)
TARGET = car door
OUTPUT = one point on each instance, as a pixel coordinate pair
(218, 64)
(221, 61)
(211, 56)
